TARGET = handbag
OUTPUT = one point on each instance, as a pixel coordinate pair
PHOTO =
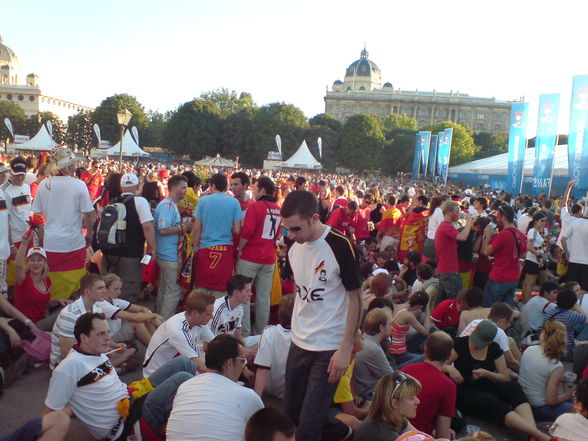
(39, 349)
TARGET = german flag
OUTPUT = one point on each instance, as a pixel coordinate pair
(65, 272)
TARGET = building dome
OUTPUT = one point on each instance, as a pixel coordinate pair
(363, 74)
(7, 55)
(388, 85)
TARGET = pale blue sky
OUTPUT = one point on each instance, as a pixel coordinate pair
(167, 52)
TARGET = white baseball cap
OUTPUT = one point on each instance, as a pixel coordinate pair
(129, 180)
(36, 250)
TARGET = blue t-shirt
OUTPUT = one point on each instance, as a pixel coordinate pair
(217, 212)
(570, 320)
(167, 215)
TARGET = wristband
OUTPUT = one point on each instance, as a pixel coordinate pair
(27, 322)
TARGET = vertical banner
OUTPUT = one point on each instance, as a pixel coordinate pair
(424, 141)
(545, 142)
(416, 160)
(578, 136)
(517, 142)
(433, 156)
(444, 153)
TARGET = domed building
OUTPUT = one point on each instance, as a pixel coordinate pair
(361, 91)
(26, 92)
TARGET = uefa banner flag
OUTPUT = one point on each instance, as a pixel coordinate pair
(417, 157)
(517, 142)
(444, 153)
(545, 142)
(433, 156)
(578, 134)
(424, 139)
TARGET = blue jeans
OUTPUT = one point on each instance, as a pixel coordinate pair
(407, 358)
(449, 286)
(308, 393)
(550, 413)
(165, 381)
(499, 292)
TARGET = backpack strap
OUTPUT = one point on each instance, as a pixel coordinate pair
(516, 241)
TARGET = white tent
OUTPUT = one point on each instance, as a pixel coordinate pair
(41, 142)
(130, 148)
(216, 161)
(302, 159)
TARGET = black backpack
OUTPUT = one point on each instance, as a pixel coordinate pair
(111, 232)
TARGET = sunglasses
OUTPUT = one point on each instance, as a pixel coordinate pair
(242, 360)
(400, 379)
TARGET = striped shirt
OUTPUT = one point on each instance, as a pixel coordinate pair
(64, 325)
(175, 337)
(224, 319)
(398, 334)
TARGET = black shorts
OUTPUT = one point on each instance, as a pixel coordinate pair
(531, 268)
(490, 401)
(578, 272)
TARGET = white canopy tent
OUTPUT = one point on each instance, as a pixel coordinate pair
(130, 148)
(215, 161)
(41, 142)
(302, 159)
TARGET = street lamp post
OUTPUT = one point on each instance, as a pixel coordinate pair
(124, 117)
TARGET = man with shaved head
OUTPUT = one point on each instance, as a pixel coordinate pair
(438, 393)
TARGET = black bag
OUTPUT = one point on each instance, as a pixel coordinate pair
(111, 232)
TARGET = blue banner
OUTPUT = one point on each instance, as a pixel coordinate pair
(517, 142)
(416, 160)
(433, 156)
(545, 143)
(578, 135)
(444, 153)
(424, 139)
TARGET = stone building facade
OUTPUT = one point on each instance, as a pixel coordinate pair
(361, 91)
(26, 92)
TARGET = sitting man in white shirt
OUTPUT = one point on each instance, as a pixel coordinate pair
(534, 311)
(185, 333)
(227, 317)
(213, 406)
(86, 385)
(272, 353)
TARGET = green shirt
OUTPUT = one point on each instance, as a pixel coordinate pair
(371, 431)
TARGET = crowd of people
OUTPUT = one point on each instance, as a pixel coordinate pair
(264, 305)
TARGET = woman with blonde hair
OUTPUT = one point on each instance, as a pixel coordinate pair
(542, 374)
(394, 403)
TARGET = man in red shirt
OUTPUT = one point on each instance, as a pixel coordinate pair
(446, 314)
(390, 226)
(239, 185)
(361, 220)
(507, 247)
(257, 251)
(340, 199)
(438, 393)
(341, 218)
(446, 239)
(94, 181)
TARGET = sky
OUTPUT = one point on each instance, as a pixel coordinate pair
(167, 53)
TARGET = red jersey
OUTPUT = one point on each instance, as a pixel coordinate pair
(261, 227)
(360, 223)
(31, 301)
(507, 254)
(340, 220)
(446, 248)
(437, 395)
(94, 182)
(446, 314)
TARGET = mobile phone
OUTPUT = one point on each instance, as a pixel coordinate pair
(146, 259)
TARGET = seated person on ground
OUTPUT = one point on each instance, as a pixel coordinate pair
(573, 426)
(474, 300)
(269, 424)
(272, 353)
(426, 282)
(446, 314)
(86, 385)
(534, 311)
(51, 427)
(185, 333)
(227, 317)
(379, 286)
(213, 405)
(371, 363)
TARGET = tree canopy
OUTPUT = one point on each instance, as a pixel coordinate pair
(462, 143)
(362, 141)
(105, 115)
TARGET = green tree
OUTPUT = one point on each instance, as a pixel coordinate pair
(490, 144)
(80, 132)
(398, 151)
(17, 117)
(34, 123)
(228, 102)
(362, 141)
(105, 116)
(399, 121)
(462, 143)
(282, 119)
(237, 136)
(322, 119)
(153, 135)
(193, 129)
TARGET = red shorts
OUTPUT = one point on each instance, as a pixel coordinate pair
(214, 267)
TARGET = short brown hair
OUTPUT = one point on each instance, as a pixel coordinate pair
(449, 207)
(198, 300)
(374, 319)
(285, 310)
(88, 281)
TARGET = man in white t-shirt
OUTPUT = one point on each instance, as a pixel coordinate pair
(574, 242)
(65, 202)
(92, 299)
(533, 313)
(126, 261)
(5, 242)
(502, 316)
(86, 385)
(272, 353)
(185, 333)
(213, 406)
(227, 317)
(18, 197)
(326, 313)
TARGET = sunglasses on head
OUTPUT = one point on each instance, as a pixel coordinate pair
(400, 379)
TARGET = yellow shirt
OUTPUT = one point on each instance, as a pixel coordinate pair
(343, 393)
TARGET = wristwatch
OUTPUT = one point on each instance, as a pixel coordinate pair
(27, 322)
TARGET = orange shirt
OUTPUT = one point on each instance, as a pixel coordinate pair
(391, 222)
